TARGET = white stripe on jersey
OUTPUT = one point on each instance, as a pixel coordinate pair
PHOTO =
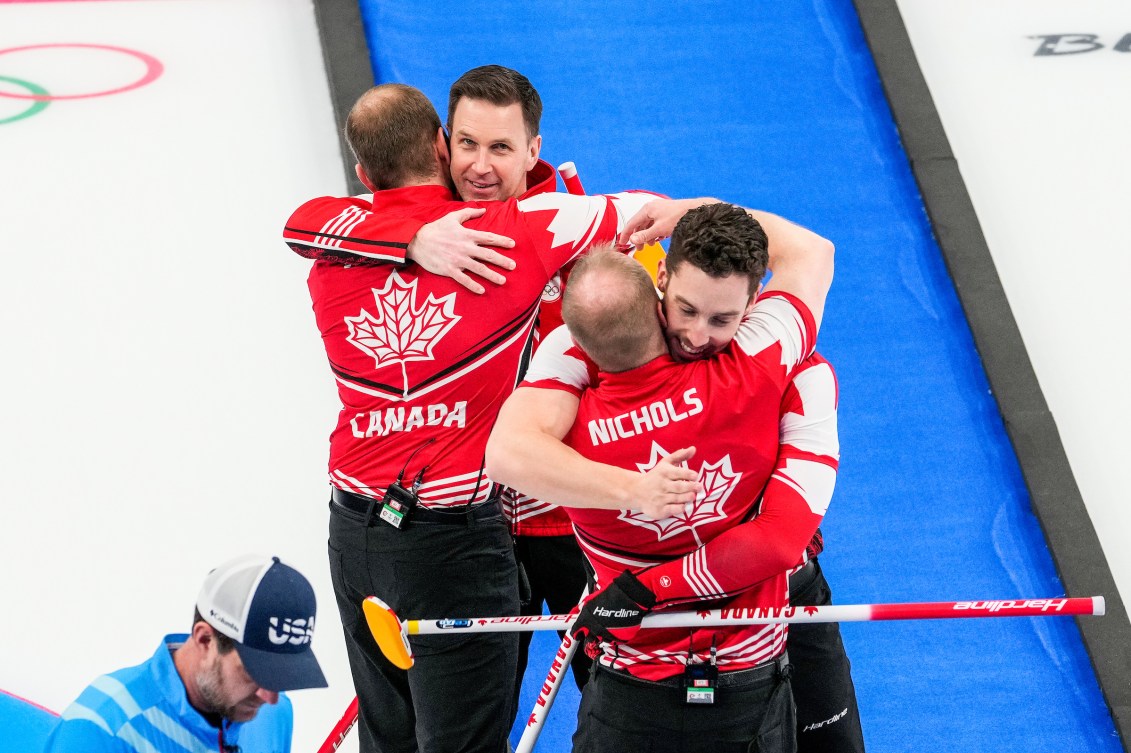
(335, 225)
(520, 507)
(761, 639)
(766, 643)
(812, 480)
(482, 494)
(451, 480)
(627, 656)
(699, 576)
(78, 711)
(775, 319)
(816, 430)
(451, 491)
(351, 484)
(360, 218)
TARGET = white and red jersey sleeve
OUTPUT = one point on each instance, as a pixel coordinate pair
(565, 226)
(792, 506)
(558, 364)
(346, 230)
(779, 323)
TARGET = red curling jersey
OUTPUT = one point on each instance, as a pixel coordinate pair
(728, 407)
(422, 364)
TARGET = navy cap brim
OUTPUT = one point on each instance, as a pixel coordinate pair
(276, 671)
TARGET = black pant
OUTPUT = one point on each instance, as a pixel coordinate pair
(619, 715)
(459, 695)
(828, 719)
(554, 568)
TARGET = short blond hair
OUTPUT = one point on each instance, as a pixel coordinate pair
(609, 305)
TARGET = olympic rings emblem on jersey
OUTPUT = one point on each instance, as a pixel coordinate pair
(39, 96)
(553, 289)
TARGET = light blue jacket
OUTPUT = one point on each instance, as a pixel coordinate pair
(145, 709)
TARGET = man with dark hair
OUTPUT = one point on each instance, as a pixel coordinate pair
(712, 689)
(704, 311)
(490, 157)
(220, 684)
(697, 325)
(422, 366)
(718, 240)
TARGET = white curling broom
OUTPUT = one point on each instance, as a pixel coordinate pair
(391, 633)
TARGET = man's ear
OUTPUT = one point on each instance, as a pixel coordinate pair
(662, 276)
(535, 150)
(443, 151)
(203, 635)
(363, 177)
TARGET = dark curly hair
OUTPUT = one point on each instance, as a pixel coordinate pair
(721, 240)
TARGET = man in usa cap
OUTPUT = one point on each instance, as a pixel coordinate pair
(220, 687)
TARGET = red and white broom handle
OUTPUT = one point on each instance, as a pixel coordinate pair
(341, 729)
(559, 666)
(932, 610)
(568, 171)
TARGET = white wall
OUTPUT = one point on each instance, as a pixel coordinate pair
(164, 397)
(1042, 143)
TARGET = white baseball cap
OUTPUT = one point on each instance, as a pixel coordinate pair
(267, 608)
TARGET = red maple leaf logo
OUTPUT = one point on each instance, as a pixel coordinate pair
(704, 613)
(811, 610)
(718, 480)
(402, 332)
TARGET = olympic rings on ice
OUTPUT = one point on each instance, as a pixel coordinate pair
(35, 106)
(40, 97)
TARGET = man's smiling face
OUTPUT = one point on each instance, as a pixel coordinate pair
(491, 150)
(701, 313)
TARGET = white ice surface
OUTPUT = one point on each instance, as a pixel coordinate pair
(164, 397)
(1043, 146)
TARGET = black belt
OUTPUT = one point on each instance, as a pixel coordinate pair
(736, 679)
(360, 506)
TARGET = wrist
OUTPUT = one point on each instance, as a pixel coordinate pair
(627, 490)
(634, 589)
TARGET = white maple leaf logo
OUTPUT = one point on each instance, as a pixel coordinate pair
(401, 332)
(718, 480)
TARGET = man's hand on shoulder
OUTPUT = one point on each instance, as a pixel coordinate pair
(446, 248)
(656, 220)
(667, 488)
